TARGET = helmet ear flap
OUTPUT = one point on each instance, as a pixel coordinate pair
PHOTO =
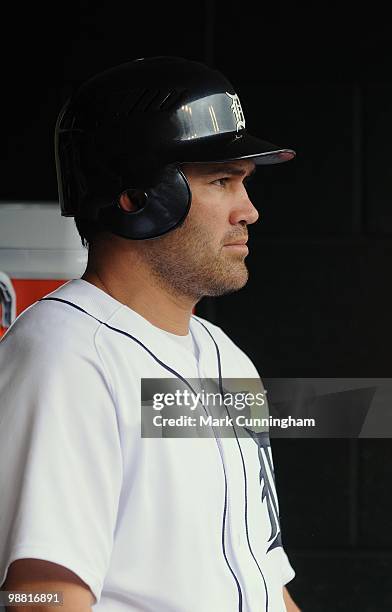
(164, 206)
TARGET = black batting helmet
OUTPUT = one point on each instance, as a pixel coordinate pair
(131, 127)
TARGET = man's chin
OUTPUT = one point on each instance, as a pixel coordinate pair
(230, 286)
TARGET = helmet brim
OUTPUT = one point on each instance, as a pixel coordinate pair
(231, 147)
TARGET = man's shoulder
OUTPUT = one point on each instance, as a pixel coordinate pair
(57, 324)
(41, 337)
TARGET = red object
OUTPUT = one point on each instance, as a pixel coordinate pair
(29, 290)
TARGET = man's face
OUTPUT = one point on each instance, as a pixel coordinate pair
(198, 258)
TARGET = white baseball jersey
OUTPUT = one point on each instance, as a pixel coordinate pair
(149, 524)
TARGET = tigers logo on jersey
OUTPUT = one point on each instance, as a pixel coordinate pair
(267, 482)
(237, 110)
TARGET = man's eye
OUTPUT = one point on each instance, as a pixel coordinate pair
(225, 179)
(222, 181)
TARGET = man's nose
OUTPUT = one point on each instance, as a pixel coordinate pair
(244, 210)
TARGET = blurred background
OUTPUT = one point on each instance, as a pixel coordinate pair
(318, 303)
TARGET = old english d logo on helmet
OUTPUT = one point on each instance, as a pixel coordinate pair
(237, 111)
(131, 127)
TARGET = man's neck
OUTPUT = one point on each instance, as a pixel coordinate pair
(159, 307)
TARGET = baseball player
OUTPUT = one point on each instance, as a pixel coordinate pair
(152, 161)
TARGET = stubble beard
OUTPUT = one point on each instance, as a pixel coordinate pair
(184, 263)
